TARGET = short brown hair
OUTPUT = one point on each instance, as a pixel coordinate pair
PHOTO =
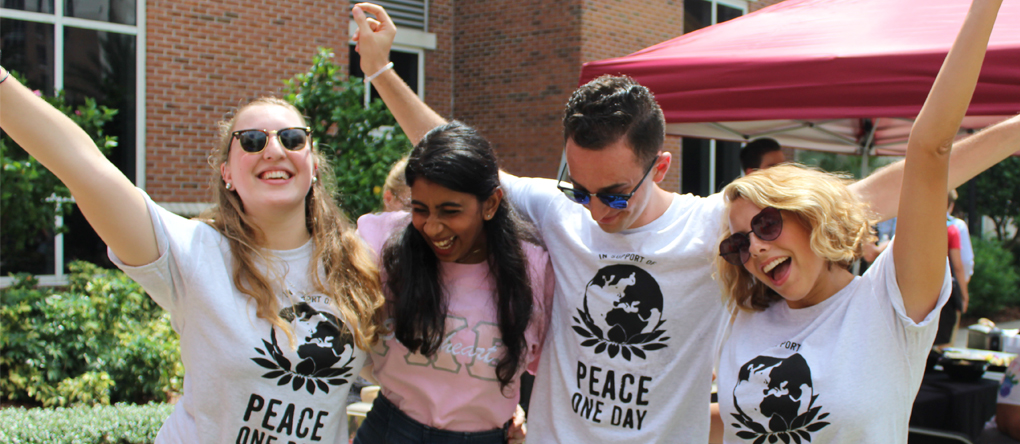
(611, 107)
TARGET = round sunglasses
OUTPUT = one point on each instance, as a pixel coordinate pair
(767, 225)
(255, 140)
(615, 201)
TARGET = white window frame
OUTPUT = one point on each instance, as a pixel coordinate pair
(59, 21)
(408, 41)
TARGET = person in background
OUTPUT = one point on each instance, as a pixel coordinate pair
(760, 154)
(949, 319)
(396, 194)
(966, 249)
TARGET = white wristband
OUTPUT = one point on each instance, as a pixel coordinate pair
(379, 72)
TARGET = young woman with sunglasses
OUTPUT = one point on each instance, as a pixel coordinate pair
(814, 354)
(273, 294)
(466, 296)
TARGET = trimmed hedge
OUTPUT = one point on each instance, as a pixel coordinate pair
(120, 424)
(100, 340)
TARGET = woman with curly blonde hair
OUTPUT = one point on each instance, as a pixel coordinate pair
(272, 292)
(808, 343)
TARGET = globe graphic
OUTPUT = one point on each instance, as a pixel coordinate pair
(773, 392)
(623, 301)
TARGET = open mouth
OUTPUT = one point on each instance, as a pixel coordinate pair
(777, 268)
(444, 244)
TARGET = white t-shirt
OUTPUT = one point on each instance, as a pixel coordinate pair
(457, 389)
(843, 371)
(244, 382)
(629, 352)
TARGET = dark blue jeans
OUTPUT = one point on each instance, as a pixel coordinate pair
(386, 424)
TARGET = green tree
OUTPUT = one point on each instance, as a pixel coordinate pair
(994, 285)
(998, 197)
(359, 142)
(31, 197)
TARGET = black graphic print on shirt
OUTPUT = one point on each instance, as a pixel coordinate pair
(622, 313)
(322, 342)
(775, 401)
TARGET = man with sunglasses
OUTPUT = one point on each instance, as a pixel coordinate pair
(628, 357)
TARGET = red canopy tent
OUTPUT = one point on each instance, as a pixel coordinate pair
(835, 75)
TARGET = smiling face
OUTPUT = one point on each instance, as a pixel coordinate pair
(616, 169)
(276, 179)
(787, 264)
(452, 222)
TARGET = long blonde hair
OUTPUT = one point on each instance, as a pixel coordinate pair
(351, 276)
(837, 218)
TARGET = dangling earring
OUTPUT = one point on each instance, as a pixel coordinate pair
(228, 186)
(315, 179)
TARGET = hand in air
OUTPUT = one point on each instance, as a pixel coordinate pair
(374, 36)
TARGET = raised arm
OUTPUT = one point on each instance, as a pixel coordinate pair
(110, 202)
(920, 248)
(970, 157)
(375, 37)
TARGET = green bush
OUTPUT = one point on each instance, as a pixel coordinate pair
(994, 285)
(26, 211)
(122, 424)
(361, 143)
(101, 340)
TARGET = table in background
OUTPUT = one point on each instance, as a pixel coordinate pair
(957, 406)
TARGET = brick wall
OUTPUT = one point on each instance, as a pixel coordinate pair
(614, 28)
(516, 63)
(204, 58)
(439, 74)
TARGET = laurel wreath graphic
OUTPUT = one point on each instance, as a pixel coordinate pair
(796, 432)
(616, 341)
(280, 367)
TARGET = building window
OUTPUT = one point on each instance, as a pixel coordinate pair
(409, 64)
(708, 165)
(87, 48)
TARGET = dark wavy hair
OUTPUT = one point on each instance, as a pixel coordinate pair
(456, 157)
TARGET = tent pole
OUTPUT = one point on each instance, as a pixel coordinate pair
(867, 146)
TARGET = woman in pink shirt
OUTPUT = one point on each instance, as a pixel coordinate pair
(467, 293)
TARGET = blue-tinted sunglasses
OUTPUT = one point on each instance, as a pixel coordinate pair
(615, 201)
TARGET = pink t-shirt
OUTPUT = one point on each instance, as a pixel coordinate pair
(457, 389)
(953, 236)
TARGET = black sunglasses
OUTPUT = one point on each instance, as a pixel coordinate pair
(615, 201)
(767, 225)
(255, 140)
